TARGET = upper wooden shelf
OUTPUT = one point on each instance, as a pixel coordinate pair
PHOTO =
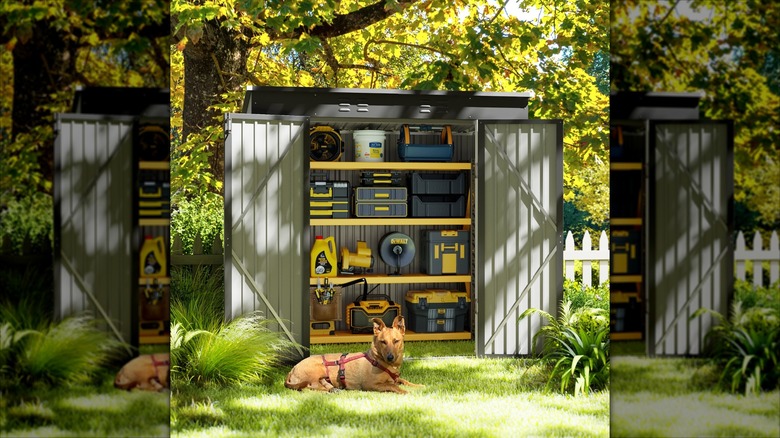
(154, 222)
(154, 165)
(625, 221)
(392, 221)
(625, 166)
(362, 165)
(396, 279)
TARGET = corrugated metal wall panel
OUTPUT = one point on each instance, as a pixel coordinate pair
(519, 232)
(690, 257)
(264, 220)
(93, 214)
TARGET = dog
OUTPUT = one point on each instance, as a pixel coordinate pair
(378, 369)
(148, 372)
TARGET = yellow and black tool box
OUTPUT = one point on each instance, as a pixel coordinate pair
(329, 209)
(154, 194)
(360, 313)
(380, 194)
(446, 252)
(383, 178)
(381, 209)
(625, 312)
(328, 190)
(437, 310)
(625, 252)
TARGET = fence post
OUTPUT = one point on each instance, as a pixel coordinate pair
(587, 273)
(603, 264)
(740, 255)
(568, 247)
(758, 245)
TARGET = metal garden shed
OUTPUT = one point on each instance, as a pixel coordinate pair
(514, 217)
(672, 188)
(98, 230)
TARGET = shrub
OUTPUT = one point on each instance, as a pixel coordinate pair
(197, 296)
(581, 296)
(71, 351)
(242, 350)
(203, 215)
(746, 346)
(578, 343)
(29, 219)
(751, 296)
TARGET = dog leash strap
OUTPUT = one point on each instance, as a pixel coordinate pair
(342, 377)
(376, 363)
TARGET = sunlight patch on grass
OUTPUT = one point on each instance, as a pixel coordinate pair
(32, 411)
(697, 414)
(202, 412)
(98, 402)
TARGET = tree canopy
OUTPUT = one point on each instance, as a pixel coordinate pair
(556, 49)
(729, 50)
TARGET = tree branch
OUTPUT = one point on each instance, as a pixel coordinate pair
(343, 24)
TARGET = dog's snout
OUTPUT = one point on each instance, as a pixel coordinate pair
(390, 357)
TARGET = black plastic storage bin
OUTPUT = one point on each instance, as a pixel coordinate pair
(438, 183)
(438, 206)
(437, 310)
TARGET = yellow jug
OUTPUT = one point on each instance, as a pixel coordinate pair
(153, 258)
(323, 257)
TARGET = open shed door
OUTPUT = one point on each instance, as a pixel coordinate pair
(265, 181)
(690, 258)
(519, 231)
(93, 216)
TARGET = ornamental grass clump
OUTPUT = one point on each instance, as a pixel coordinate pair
(577, 342)
(745, 345)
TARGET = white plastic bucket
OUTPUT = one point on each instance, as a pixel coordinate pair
(369, 145)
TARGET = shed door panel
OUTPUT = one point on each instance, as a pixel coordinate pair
(93, 211)
(264, 218)
(519, 231)
(691, 259)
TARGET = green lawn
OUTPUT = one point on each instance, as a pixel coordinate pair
(676, 397)
(463, 396)
(97, 410)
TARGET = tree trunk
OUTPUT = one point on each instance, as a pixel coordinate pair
(215, 64)
(42, 67)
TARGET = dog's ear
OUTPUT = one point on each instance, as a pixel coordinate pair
(378, 325)
(399, 324)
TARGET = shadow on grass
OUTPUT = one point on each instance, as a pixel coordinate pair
(478, 397)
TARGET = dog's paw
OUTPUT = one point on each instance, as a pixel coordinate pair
(334, 390)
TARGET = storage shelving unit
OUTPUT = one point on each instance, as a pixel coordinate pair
(397, 284)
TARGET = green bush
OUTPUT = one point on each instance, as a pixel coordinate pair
(581, 296)
(206, 350)
(30, 219)
(204, 216)
(745, 345)
(750, 296)
(578, 344)
(71, 351)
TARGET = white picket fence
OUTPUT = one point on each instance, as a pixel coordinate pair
(756, 255)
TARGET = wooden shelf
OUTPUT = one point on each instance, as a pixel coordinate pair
(165, 339)
(625, 221)
(625, 278)
(154, 165)
(396, 279)
(157, 222)
(625, 166)
(625, 336)
(347, 337)
(389, 221)
(154, 280)
(361, 165)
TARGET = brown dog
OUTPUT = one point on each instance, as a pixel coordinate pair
(148, 372)
(378, 369)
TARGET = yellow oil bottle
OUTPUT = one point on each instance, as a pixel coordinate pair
(153, 260)
(323, 257)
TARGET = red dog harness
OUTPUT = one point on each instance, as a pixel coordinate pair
(343, 360)
(157, 363)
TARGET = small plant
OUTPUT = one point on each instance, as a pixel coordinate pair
(746, 345)
(578, 342)
(582, 296)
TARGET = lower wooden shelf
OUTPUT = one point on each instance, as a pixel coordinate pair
(625, 336)
(346, 337)
(164, 339)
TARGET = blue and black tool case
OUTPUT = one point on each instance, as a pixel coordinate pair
(409, 151)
